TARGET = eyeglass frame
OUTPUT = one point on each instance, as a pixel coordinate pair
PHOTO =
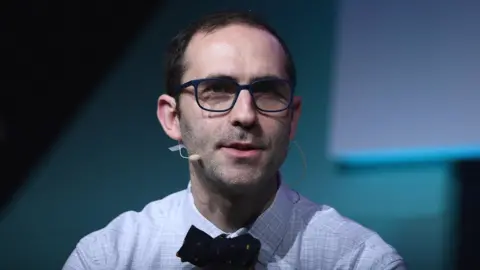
(240, 87)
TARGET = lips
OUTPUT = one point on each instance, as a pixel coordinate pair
(242, 151)
(243, 146)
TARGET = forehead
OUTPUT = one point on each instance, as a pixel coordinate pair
(239, 51)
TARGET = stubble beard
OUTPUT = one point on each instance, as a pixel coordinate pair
(214, 173)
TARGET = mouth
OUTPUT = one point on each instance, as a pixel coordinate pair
(242, 150)
(242, 146)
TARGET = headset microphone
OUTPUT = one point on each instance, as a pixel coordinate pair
(194, 157)
(197, 157)
(179, 147)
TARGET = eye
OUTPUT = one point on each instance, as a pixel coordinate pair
(218, 87)
(272, 88)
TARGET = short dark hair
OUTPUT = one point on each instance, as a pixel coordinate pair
(175, 64)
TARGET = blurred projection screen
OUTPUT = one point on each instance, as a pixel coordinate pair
(406, 83)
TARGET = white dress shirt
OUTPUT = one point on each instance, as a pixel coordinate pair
(295, 234)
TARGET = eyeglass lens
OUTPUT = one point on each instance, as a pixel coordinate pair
(220, 94)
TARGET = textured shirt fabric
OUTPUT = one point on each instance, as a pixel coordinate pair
(295, 234)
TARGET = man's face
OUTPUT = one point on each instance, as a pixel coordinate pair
(243, 53)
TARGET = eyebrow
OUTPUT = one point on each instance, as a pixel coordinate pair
(228, 77)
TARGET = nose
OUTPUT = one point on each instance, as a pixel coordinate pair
(243, 113)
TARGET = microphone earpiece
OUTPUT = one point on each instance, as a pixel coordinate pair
(179, 147)
(194, 157)
(197, 157)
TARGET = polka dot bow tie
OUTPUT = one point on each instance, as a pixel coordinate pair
(220, 252)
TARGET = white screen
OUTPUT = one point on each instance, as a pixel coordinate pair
(406, 80)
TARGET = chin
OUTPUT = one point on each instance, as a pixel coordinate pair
(242, 182)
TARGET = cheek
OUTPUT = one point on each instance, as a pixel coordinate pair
(278, 131)
(197, 134)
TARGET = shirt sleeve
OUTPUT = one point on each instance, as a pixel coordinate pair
(108, 248)
(373, 254)
(77, 261)
(93, 252)
(399, 266)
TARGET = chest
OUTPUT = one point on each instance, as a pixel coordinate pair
(163, 256)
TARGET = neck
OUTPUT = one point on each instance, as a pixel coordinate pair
(231, 212)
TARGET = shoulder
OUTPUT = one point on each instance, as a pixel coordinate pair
(119, 239)
(345, 241)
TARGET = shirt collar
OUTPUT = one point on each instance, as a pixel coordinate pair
(270, 227)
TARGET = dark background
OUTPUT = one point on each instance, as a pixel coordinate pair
(55, 53)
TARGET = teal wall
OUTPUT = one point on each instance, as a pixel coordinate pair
(114, 156)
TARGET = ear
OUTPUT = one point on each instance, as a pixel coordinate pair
(296, 111)
(168, 116)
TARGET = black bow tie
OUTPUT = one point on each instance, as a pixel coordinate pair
(220, 252)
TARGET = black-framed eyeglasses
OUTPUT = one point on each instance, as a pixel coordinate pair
(221, 94)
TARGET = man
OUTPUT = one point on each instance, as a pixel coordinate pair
(230, 101)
